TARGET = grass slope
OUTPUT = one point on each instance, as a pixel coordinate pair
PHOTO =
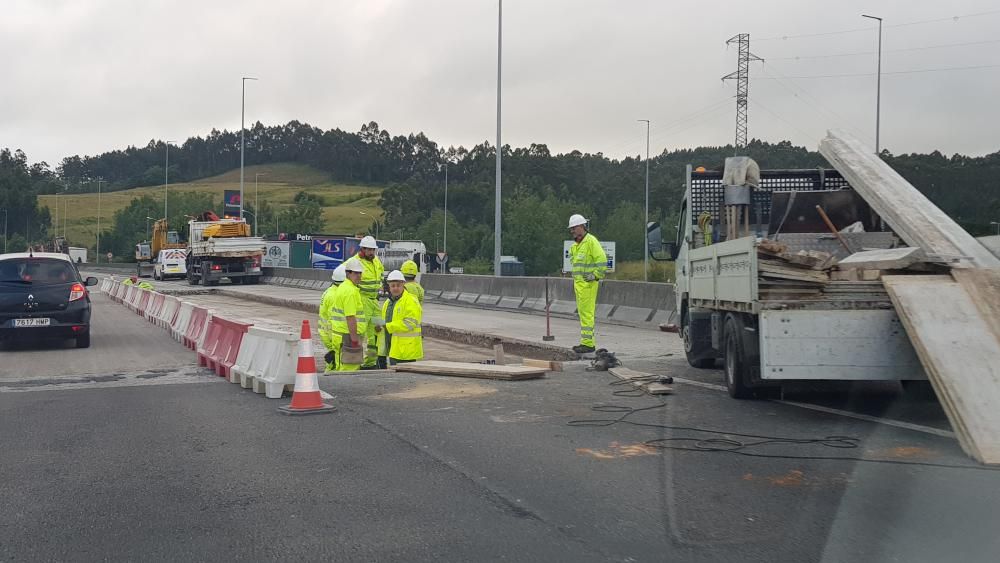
(277, 185)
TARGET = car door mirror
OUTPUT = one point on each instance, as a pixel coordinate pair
(90, 281)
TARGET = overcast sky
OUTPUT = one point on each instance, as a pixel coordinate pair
(88, 76)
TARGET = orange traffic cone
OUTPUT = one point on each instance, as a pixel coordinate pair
(306, 398)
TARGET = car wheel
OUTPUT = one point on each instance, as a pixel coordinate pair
(83, 341)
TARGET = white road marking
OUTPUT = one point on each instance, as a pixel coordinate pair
(839, 412)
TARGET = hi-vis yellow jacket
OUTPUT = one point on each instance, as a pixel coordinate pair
(405, 340)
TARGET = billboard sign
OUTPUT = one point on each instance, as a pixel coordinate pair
(609, 251)
(231, 204)
(276, 255)
(328, 253)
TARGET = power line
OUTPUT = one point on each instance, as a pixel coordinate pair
(860, 53)
(859, 29)
(870, 74)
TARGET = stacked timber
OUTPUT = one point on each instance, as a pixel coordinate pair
(785, 275)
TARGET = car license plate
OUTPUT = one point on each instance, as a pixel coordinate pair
(22, 323)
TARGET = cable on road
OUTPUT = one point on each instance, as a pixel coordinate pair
(724, 441)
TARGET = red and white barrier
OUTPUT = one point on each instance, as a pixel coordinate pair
(221, 345)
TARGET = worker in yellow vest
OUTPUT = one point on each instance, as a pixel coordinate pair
(348, 321)
(371, 281)
(589, 266)
(130, 280)
(410, 271)
(401, 317)
(326, 315)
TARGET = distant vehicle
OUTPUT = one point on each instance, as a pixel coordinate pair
(170, 263)
(222, 248)
(78, 255)
(42, 296)
(147, 253)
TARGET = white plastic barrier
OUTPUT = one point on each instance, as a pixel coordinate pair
(167, 312)
(180, 326)
(267, 361)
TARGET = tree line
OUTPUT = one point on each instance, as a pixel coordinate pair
(540, 189)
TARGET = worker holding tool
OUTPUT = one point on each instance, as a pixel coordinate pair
(401, 316)
(371, 280)
(326, 315)
(348, 321)
(409, 270)
(589, 266)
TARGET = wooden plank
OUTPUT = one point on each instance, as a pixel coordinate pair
(642, 380)
(984, 287)
(547, 364)
(910, 214)
(959, 352)
(467, 369)
(883, 259)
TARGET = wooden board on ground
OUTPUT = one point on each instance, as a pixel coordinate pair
(959, 351)
(910, 214)
(467, 369)
(883, 259)
(550, 365)
(642, 380)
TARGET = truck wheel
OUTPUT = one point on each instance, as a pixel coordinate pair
(694, 350)
(192, 280)
(735, 359)
(236, 281)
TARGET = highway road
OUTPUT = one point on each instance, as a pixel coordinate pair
(128, 451)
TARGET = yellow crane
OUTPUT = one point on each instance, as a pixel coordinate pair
(146, 252)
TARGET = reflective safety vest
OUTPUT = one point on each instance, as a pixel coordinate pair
(146, 285)
(347, 303)
(403, 326)
(325, 313)
(371, 277)
(128, 282)
(416, 290)
(588, 257)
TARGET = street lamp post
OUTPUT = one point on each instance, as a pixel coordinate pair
(5, 230)
(496, 211)
(878, 87)
(645, 247)
(98, 252)
(445, 209)
(243, 104)
(256, 201)
(147, 228)
(166, 178)
(373, 219)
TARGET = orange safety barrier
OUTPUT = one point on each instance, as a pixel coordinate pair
(221, 345)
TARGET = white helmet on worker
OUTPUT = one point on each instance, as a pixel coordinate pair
(368, 242)
(395, 275)
(353, 265)
(576, 219)
(339, 274)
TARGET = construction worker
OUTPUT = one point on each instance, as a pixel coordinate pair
(326, 314)
(145, 285)
(130, 281)
(371, 281)
(348, 322)
(410, 270)
(401, 315)
(589, 265)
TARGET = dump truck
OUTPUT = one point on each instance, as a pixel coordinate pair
(220, 249)
(752, 291)
(149, 253)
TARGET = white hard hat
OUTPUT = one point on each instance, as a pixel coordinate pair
(353, 265)
(395, 275)
(339, 274)
(576, 219)
(368, 242)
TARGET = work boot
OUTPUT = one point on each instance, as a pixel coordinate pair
(581, 349)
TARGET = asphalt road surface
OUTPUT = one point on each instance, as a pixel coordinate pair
(103, 460)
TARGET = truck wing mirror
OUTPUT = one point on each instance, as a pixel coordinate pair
(659, 250)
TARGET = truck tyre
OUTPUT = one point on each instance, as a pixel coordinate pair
(236, 280)
(735, 360)
(698, 355)
(192, 279)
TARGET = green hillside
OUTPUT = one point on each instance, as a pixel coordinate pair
(278, 184)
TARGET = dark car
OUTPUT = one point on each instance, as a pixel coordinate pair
(42, 296)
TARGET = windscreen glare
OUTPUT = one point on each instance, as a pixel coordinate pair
(37, 271)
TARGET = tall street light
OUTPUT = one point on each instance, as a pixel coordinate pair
(445, 208)
(496, 210)
(373, 219)
(645, 246)
(98, 251)
(166, 178)
(147, 227)
(5, 230)
(878, 87)
(243, 104)
(256, 201)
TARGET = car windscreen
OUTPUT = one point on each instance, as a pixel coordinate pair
(38, 271)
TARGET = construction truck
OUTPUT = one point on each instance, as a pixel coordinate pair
(758, 285)
(150, 252)
(222, 248)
